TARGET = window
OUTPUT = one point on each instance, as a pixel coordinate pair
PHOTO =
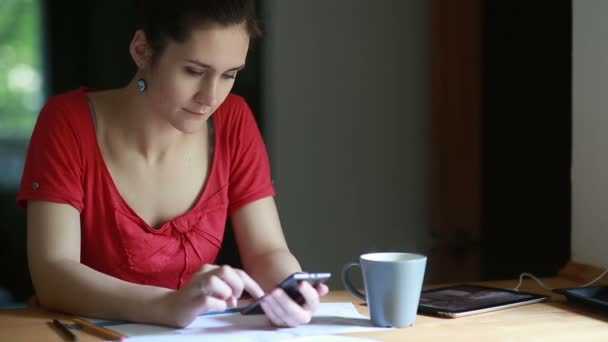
(21, 82)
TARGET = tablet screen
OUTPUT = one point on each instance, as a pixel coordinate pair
(467, 298)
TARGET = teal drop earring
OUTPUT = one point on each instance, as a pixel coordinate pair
(142, 85)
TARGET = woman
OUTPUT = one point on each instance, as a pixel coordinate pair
(128, 190)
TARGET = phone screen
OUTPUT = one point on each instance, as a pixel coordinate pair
(290, 286)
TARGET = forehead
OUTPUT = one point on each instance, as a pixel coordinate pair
(218, 46)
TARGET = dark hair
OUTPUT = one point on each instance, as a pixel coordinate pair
(164, 20)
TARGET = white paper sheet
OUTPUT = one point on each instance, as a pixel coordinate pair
(331, 318)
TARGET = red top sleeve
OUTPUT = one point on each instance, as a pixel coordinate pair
(250, 177)
(54, 167)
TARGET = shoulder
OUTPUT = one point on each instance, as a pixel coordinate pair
(71, 102)
(68, 100)
(234, 101)
(234, 111)
(233, 105)
(64, 116)
(65, 108)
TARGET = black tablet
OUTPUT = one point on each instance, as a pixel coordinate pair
(596, 296)
(465, 300)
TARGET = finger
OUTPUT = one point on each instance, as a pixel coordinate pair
(215, 286)
(282, 318)
(310, 295)
(233, 279)
(291, 312)
(233, 302)
(270, 313)
(251, 285)
(322, 289)
(207, 268)
(199, 283)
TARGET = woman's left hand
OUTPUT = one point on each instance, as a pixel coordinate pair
(283, 311)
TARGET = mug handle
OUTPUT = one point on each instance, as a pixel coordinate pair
(346, 280)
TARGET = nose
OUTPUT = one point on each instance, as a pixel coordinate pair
(207, 93)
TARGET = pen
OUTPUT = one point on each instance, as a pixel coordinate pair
(100, 331)
(64, 330)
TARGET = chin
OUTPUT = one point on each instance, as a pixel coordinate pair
(189, 127)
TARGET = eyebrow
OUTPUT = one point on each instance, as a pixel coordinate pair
(207, 66)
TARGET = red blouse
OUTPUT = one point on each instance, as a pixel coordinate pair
(64, 164)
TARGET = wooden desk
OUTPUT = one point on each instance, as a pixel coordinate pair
(555, 320)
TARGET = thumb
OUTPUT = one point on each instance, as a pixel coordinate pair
(210, 303)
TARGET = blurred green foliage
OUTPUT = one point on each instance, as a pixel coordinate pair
(21, 74)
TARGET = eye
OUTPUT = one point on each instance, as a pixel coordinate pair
(229, 76)
(194, 72)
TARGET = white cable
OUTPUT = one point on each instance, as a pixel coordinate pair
(521, 279)
(596, 279)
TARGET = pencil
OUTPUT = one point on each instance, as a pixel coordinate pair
(64, 330)
(99, 331)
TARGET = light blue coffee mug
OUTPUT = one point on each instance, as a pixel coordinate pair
(393, 283)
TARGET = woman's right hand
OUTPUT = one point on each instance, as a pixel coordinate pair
(213, 288)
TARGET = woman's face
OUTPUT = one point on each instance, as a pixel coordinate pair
(191, 79)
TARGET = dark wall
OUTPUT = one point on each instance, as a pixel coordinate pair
(87, 44)
(13, 262)
(526, 134)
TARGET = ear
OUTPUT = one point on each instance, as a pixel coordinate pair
(140, 50)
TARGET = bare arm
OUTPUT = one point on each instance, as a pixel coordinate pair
(267, 258)
(262, 245)
(62, 283)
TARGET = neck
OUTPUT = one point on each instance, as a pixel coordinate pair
(141, 127)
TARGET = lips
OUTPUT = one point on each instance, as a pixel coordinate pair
(192, 112)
